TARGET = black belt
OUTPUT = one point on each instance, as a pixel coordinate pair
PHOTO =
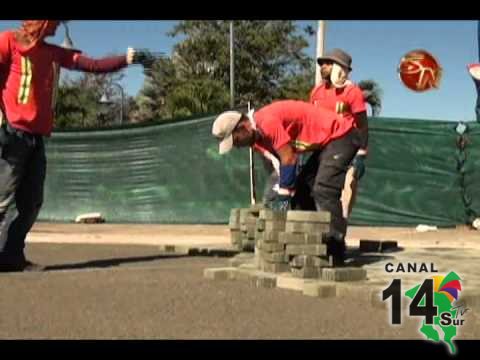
(29, 138)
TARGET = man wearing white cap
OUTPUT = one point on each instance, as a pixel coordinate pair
(474, 71)
(286, 129)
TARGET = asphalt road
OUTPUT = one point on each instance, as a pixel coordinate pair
(134, 292)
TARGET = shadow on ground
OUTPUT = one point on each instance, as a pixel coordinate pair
(357, 258)
(105, 263)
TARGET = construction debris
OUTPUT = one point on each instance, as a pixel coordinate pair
(90, 218)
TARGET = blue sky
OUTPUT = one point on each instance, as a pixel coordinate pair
(376, 48)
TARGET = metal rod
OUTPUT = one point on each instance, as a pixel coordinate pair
(320, 49)
(232, 98)
(123, 100)
(253, 197)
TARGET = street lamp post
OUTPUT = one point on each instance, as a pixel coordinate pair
(105, 100)
(122, 92)
(320, 49)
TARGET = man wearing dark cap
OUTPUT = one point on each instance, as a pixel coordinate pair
(338, 94)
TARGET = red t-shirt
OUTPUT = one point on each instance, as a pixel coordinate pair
(28, 85)
(303, 125)
(344, 100)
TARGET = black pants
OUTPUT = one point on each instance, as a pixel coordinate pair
(22, 177)
(321, 180)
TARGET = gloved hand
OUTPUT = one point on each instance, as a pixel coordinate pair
(281, 203)
(140, 56)
(358, 164)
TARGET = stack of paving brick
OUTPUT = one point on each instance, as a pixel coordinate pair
(303, 242)
(242, 226)
(234, 225)
(270, 253)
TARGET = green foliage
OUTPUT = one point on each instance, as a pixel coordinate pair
(269, 64)
(78, 101)
(373, 95)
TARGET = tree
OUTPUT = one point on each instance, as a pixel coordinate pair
(372, 93)
(78, 101)
(269, 64)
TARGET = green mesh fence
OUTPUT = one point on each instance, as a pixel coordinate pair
(411, 176)
(172, 173)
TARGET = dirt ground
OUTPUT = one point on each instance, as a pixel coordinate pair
(110, 281)
(148, 234)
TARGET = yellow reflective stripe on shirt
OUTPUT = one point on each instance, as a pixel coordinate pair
(26, 80)
(301, 145)
(56, 75)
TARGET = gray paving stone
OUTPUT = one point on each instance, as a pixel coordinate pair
(309, 216)
(268, 214)
(306, 250)
(306, 227)
(318, 289)
(300, 238)
(226, 273)
(274, 257)
(344, 274)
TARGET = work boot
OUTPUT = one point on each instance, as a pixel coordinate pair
(21, 266)
(335, 248)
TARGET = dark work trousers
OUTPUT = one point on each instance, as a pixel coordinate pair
(321, 180)
(22, 177)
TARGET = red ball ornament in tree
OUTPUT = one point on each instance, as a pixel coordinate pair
(420, 71)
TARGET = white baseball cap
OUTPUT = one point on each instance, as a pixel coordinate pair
(474, 70)
(223, 127)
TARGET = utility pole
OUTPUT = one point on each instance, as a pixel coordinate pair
(320, 49)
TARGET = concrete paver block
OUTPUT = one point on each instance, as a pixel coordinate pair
(274, 257)
(300, 238)
(271, 225)
(265, 280)
(306, 227)
(318, 250)
(268, 214)
(321, 290)
(300, 261)
(344, 274)
(308, 272)
(271, 247)
(369, 245)
(288, 281)
(388, 245)
(226, 273)
(274, 267)
(309, 216)
(235, 236)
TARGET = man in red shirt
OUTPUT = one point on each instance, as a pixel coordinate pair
(335, 93)
(28, 70)
(286, 129)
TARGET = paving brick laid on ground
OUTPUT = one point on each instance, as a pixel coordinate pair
(344, 274)
(377, 245)
(288, 246)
